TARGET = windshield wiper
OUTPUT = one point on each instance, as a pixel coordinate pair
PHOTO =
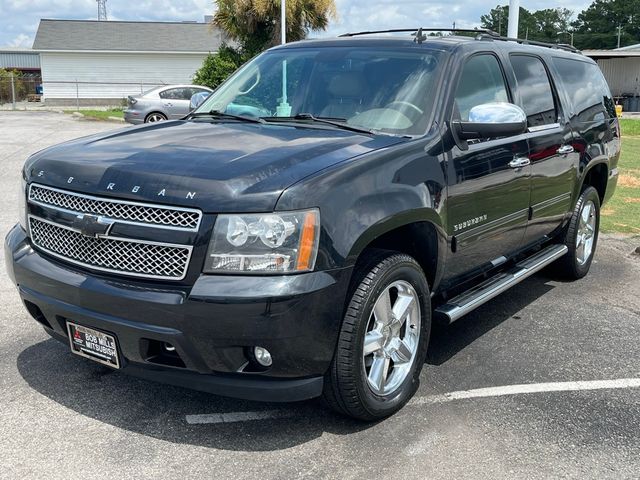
(223, 115)
(339, 123)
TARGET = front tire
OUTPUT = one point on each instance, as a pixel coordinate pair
(582, 236)
(383, 340)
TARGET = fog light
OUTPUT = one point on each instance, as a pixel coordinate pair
(263, 357)
(169, 348)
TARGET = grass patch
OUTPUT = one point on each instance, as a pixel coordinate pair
(630, 127)
(622, 212)
(100, 114)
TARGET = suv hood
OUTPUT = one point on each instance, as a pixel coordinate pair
(217, 167)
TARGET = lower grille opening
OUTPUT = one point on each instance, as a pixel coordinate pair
(37, 314)
(160, 353)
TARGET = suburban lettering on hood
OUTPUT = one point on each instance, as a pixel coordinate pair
(111, 186)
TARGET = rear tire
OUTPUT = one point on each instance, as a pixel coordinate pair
(383, 340)
(155, 117)
(581, 236)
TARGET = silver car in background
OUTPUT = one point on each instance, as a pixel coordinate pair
(162, 103)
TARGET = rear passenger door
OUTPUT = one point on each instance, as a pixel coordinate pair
(488, 193)
(552, 156)
(176, 101)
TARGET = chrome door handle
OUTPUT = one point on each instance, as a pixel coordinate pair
(565, 149)
(519, 162)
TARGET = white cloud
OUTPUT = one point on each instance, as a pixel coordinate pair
(21, 41)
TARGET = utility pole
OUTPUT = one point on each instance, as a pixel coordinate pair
(283, 109)
(283, 22)
(13, 92)
(514, 17)
(619, 33)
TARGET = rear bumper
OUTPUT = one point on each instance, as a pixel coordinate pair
(213, 325)
(133, 116)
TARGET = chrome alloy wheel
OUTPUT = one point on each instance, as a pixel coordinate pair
(586, 232)
(155, 117)
(392, 337)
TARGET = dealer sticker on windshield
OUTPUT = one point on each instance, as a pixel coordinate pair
(93, 344)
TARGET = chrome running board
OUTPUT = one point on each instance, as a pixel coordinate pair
(459, 306)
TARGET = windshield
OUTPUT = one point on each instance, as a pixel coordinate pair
(381, 89)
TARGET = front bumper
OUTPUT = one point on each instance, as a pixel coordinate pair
(213, 324)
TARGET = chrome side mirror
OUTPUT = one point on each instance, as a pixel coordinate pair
(492, 120)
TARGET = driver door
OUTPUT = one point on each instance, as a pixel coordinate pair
(488, 184)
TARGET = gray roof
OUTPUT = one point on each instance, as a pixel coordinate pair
(79, 35)
(629, 47)
(20, 58)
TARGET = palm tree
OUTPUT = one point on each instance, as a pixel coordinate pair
(255, 24)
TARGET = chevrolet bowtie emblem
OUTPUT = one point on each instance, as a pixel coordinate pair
(92, 225)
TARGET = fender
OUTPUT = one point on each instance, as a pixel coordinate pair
(371, 195)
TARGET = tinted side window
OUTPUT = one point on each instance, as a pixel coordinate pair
(176, 94)
(589, 93)
(535, 90)
(481, 82)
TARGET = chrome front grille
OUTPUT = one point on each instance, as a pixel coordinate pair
(114, 255)
(131, 212)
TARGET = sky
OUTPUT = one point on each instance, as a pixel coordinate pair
(19, 18)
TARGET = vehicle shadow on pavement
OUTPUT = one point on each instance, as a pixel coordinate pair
(447, 340)
(160, 411)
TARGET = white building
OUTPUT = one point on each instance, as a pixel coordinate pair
(100, 63)
(621, 68)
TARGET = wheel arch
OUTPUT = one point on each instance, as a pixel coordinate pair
(418, 234)
(596, 176)
(166, 117)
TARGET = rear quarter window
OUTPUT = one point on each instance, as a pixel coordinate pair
(535, 90)
(588, 91)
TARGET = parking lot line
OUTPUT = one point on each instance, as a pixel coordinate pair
(234, 417)
(531, 388)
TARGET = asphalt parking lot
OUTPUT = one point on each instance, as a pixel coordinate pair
(559, 364)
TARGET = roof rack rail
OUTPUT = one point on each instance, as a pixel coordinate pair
(521, 41)
(403, 30)
(482, 34)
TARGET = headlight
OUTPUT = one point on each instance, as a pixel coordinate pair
(22, 204)
(279, 242)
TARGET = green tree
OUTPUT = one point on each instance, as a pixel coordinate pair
(254, 26)
(19, 85)
(597, 26)
(498, 20)
(217, 67)
(548, 25)
(553, 24)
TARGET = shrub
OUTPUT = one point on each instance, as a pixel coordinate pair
(217, 67)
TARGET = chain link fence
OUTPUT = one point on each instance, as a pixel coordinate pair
(16, 88)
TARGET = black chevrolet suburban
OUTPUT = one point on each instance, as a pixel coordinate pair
(298, 233)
